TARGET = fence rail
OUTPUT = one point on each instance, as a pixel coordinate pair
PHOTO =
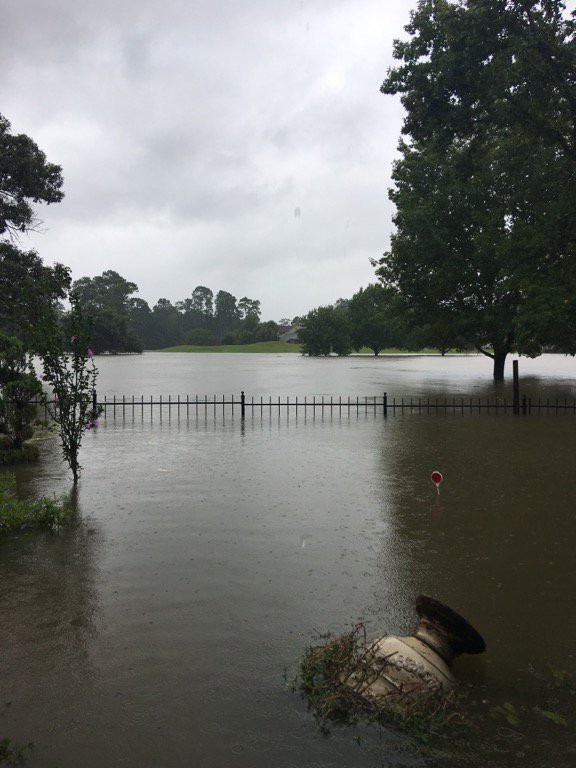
(123, 407)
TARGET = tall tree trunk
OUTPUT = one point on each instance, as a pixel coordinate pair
(499, 361)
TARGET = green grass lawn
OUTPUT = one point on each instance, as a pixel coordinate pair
(280, 347)
(269, 347)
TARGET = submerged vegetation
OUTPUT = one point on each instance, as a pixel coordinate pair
(24, 455)
(323, 670)
(28, 514)
(11, 754)
(441, 725)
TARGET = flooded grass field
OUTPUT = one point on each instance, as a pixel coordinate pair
(166, 627)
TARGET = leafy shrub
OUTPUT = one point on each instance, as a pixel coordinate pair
(27, 514)
(19, 387)
(25, 455)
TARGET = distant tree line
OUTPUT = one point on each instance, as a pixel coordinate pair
(125, 323)
(374, 319)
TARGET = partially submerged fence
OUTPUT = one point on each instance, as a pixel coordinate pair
(243, 406)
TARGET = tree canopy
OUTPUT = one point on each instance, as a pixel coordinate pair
(29, 292)
(25, 177)
(325, 330)
(371, 321)
(106, 299)
(485, 186)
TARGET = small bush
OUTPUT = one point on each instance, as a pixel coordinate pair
(24, 455)
(28, 514)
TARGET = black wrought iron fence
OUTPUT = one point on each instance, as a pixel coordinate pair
(159, 407)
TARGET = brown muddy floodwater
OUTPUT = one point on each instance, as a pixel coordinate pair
(211, 552)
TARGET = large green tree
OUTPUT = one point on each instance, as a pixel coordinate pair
(485, 186)
(28, 289)
(25, 177)
(203, 305)
(371, 321)
(107, 300)
(226, 314)
(323, 331)
(167, 324)
(29, 293)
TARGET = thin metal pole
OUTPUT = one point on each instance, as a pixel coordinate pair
(515, 389)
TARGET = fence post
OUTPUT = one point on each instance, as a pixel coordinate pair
(516, 389)
(385, 403)
(94, 402)
(242, 404)
(524, 405)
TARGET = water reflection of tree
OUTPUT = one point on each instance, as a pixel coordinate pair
(48, 612)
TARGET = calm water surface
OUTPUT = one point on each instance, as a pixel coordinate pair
(211, 552)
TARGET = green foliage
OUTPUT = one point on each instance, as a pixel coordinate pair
(200, 337)
(227, 315)
(166, 323)
(29, 293)
(249, 308)
(106, 299)
(268, 331)
(25, 177)
(28, 454)
(485, 189)
(202, 303)
(552, 716)
(28, 514)
(507, 711)
(72, 378)
(325, 666)
(325, 330)
(371, 319)
(19, 386)
(13, 755)
(265, 347)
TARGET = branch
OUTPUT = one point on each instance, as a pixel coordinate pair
(483, 351)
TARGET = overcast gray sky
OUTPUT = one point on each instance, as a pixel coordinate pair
(238, 144)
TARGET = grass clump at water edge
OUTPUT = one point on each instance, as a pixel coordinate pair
(29, 514)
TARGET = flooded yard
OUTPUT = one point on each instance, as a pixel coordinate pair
(164, 629)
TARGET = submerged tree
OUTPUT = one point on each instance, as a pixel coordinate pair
(485, 188)
(72, 377)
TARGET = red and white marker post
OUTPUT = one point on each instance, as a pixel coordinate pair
(436, 478)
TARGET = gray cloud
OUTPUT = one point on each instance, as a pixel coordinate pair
(190, 132)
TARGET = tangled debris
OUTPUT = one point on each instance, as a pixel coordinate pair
(403, 682)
